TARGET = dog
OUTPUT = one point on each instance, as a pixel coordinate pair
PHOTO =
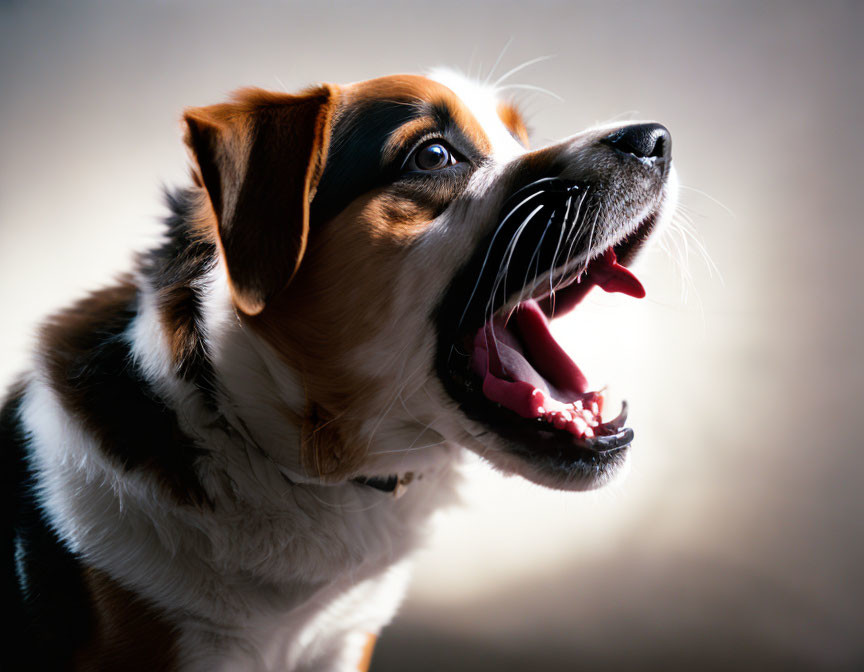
(224, 460)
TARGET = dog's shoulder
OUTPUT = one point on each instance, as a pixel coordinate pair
(87, 359)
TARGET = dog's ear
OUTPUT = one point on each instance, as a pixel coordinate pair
(260, 158)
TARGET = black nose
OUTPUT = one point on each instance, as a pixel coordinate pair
(644, 141)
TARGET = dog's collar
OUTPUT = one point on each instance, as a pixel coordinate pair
(393, 483)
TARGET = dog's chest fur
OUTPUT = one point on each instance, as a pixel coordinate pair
(140, 477)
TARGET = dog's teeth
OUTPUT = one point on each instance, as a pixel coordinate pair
(581, 426)
(618, 422)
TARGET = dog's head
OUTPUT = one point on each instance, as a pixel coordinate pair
(398, 245)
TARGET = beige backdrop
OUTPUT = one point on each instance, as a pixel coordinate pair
(736, 539)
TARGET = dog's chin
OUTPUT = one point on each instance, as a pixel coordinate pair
(552, 457)
(551, 464)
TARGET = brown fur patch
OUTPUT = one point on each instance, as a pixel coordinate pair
(368, 649)
(185, 339)
(260, 158)
(512, 119)
(393, 220)
(128, 634)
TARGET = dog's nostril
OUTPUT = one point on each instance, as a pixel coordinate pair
(644, 141)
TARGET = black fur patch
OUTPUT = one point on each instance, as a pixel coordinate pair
(175, 270)
(90, 363)
(46, 603)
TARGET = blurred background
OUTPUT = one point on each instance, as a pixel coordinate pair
(736, 540)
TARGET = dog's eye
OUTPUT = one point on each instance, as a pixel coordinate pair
(432, 156)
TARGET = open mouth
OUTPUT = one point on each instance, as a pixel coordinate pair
(500, 361)
(525, 370)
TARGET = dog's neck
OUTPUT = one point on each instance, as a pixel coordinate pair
(219, 374)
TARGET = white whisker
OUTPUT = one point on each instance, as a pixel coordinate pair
(627, 114)
(524, 65)
(687, 230)
(710, 198)
(512, 248)
(591, 237)
(531, 87)
(573, 234)
(497, 61)
(535, 256)
(489, 250)
(555, 256)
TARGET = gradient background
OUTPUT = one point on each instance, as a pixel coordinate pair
(736, 540)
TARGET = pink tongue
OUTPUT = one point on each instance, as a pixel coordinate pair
(612, 277)
(530, 373)
(605, 272)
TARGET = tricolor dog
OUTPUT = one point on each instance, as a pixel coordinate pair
(224, 460)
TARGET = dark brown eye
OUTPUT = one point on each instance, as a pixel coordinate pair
(433, 156)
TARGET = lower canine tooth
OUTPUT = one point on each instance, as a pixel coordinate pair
(618, 422)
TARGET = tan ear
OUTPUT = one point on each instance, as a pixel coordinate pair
(260, 158)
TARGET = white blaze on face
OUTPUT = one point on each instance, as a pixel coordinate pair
(483, 102)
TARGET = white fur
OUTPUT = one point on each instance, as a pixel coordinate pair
(301, 586)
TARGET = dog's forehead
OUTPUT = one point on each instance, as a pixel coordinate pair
(472, 106)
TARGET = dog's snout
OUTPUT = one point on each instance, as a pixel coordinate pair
(644, 141)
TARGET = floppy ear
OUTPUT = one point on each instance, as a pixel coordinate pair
(260, 158)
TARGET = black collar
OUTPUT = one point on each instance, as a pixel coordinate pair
(392, 484)
(386, 484)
